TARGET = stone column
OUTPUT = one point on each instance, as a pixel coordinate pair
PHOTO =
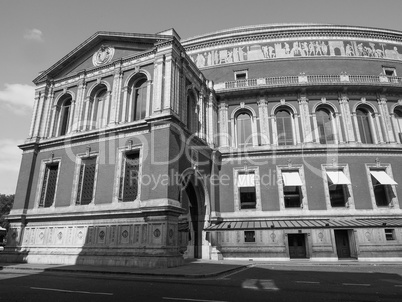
(124, 118)
(116, 93)
(296, 129)
(305, 119)
(315, 127)
(274, 130)
(347, 119)
(167, 83)
(264, 123)
(35, 112)
(386, 120)
(79, 106)
(201, 115)
(158, 85)
(212, 120)
(49, 112)
(53, 120)
(87, 113)
(378, 137)
(39, 114)
(71, 117)
(106, 109)
(223, 125)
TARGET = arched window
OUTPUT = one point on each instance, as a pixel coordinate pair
(398, 118)
(139, 99)
(99, 115)
(284, 126)
(325, 126)
(192, 116)
(364, 121)
(244, 130)
(65, 116)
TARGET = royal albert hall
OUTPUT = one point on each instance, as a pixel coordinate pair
(267, 142)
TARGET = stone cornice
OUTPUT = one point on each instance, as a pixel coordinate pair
(267, 32)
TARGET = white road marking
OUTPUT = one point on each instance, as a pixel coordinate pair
(184, 299)
(234, 273)
(356, 284)
(308, 282)
(71, 291)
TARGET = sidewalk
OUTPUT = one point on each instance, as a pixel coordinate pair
(191, 268)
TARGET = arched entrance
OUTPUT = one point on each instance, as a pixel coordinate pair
(193, 201)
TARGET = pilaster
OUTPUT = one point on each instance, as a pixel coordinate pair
(347, 119)
(223, 125)
(264, 123)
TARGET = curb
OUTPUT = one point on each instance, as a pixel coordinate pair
(104, 272)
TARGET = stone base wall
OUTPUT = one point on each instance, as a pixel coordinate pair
(134, 242)
(365, 243)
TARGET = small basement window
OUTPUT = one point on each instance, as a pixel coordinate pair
(389, 234)
(249, 236)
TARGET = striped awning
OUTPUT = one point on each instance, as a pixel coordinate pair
(305, 224)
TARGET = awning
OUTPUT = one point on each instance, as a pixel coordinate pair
(306, 224)
(245, 180)
(338, 178)
(291, 179)
(383, 178)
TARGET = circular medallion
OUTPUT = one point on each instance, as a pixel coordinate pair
(41, 235)
(101, 235)
(124, 234)
(320, 235)
(273, 236)
(60, 235)
(157, 233)
(103, 55)
(14, 235)
(80, 235)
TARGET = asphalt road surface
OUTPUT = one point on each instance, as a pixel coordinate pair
(255, 283)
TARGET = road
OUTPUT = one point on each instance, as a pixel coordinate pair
(255, 283)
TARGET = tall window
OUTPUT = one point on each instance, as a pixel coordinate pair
(247, 190)
(48, 190)
(337, 187)
(284, 125)
(86, 181)
(99, 114)
(65, 116)
(324, 124)
(128, 189)
(398, 118)
(292, 189)
(139, 99)
(244, 130)
(382, 190)
(192, 118)
(364, 123)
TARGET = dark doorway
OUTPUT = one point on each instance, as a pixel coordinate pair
(297, 246)
(342, 243)
(195, 221)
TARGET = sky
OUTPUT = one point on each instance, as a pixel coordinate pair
(35, 34)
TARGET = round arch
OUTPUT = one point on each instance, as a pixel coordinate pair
(285, 105)
(58, 101)
(199, 211)
(132, 77)
(95, 87)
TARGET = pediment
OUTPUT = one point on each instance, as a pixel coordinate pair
(100, 49)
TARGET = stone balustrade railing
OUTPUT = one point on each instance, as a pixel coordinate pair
(303, 80)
